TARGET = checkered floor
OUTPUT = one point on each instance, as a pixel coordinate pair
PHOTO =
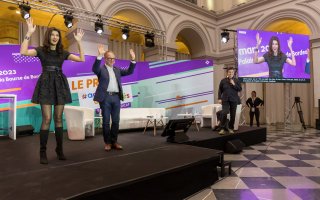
(287, 166)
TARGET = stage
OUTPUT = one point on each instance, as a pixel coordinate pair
(147, 168)
(211, 139)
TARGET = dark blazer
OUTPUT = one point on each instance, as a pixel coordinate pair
(103, 77)
(229, 92)
(257, 102)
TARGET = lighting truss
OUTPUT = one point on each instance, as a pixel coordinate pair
(81, 14)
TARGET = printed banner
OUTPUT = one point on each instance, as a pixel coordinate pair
(179, 86)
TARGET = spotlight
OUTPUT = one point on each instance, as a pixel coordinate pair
(125, 32)
(149, 39)
(225, 37)
(98, 26)
(25, 10)
(68, 20)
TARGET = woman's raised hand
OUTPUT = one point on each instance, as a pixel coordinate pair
(290, 41)
(31, 27)
(78, 36)
(259, 39)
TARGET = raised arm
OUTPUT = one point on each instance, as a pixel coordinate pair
(236, 84)
(24, 46)
(291, 61)
(78, 38)
(256, 59)
(96, 65)
(125, 72)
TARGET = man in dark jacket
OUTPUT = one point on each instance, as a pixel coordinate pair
(109, 93)
(228, 97)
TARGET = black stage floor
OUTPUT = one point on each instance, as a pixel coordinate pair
(211, 139)
(147, 168)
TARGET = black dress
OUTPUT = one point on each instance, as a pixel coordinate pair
(52, 87)
(275, 64)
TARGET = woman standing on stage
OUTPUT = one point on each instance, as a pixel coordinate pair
(52, 88)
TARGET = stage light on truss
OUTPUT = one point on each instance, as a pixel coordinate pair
(225, 37)
(125, 32)
(149, 39)
(98, 26)
(68, 20)
(25, 10)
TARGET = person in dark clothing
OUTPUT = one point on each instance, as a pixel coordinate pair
(254, 103)
(228, 97)
(109, 93)
(52, 88)
(275, 58)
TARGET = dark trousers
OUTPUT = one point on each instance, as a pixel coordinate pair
(228, 106)
(257, 114)
(110, 107)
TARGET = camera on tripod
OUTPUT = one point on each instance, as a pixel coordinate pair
(299, 110)
(297, 100)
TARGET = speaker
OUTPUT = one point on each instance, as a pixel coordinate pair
(318, 124)
(25, 130)
(234, 146)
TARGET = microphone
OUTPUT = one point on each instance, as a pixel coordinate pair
(229, 80)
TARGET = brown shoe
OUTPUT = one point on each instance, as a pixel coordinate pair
(107, 147)
(117, 146)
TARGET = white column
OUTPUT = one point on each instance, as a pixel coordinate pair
(315, 60)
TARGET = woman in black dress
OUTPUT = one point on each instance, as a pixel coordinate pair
(52, 88)
(275, 58)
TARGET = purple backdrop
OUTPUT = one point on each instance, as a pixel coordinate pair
(19, 74)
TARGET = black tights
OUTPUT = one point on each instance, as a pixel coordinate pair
(47, 113)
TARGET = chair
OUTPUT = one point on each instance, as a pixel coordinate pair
(209, 116)
(80, 122)
(237, 118)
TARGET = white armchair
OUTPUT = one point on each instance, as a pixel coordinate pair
(237, 118)
(80, 122)
(209, 115)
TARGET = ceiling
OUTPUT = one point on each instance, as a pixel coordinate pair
(41, 18)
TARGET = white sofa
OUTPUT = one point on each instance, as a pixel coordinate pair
(80, 122)
(137, 117)
(209, 115)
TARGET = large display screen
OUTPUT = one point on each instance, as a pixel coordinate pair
(273, 57)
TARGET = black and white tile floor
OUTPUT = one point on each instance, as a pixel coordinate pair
(287, 166)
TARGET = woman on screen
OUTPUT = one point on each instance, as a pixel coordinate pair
(275, 58)
(52, 88)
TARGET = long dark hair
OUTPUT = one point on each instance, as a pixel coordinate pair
(270, 46)
(46, 41)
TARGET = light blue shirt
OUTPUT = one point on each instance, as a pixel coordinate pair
(113, 84)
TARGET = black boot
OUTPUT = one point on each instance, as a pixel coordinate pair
(43, 146)
(59, 139)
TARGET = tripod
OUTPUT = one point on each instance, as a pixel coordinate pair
(299, 110)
